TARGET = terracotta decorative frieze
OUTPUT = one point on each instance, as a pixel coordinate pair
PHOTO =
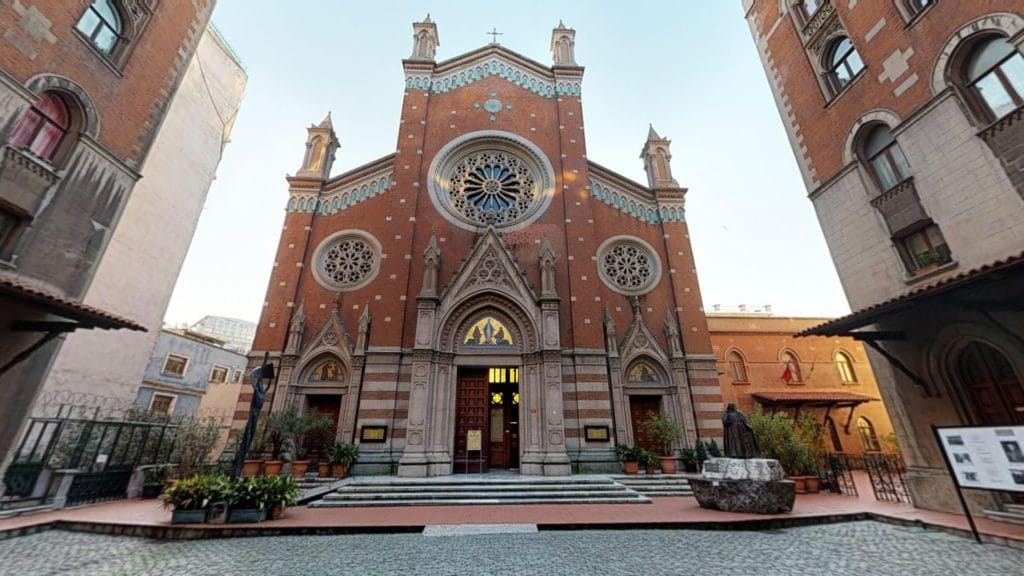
(344, 197)
(646, 209)
(496, 65)
(824, 22)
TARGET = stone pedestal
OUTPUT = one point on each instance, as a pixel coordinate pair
(753, 485)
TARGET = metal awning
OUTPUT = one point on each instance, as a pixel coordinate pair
(846, 325)
(811, 399)
(77, 314)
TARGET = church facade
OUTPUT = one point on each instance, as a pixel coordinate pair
(487, 297)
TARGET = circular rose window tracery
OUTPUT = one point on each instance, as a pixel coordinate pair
(491, 179)
(347, 260)
(628, 265)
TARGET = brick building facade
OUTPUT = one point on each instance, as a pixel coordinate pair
(84, 87)
(486, 291)
(828, 377)
(904, 116)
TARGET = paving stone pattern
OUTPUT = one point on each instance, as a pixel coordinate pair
(856, 548)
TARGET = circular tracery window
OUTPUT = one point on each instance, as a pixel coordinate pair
(628, 265)
(347, 260)
(491, 179)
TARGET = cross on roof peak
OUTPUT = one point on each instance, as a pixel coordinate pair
(494, 35)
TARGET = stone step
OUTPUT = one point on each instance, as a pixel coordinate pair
(23, 510)
(461, 480)
(492, 488)
(479, 501)
(1016, 508)
(1006, 516)
(474, 494)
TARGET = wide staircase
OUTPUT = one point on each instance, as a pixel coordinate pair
(656, 484)
(478, 489)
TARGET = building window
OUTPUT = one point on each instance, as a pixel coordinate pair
(995, 73)
(845, 366)
(810, 7)
(219, 374)
(237, 376)
(101, 24)
(791, 370)
(44, 127)
(887, 163)
(8, 222)
(924, 249)
(175, 365)
(843, 63)
(161, 404)
(833, 434)
(916, 6)
(867, 435)
(737, 369)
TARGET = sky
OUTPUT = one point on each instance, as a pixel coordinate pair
(688, 67)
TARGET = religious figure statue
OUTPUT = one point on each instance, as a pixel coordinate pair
(259, 393)
(739, 435)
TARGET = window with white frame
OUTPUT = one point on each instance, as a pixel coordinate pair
(175, 365)
(161, 403)
(219, 374)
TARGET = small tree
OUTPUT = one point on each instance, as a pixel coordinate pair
(193, 442)
(662, 432)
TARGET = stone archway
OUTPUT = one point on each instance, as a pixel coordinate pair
(990, 388)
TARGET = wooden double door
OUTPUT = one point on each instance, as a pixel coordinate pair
(991, 385)
(486, 423)
(641, 408)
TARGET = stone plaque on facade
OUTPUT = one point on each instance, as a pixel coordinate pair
(474, 440)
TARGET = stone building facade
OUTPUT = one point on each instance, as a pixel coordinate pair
(828, 377)
(84, 87)
(904, 116)
(139, 268)
(487, 296)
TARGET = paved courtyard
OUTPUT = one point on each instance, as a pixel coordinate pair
(855, 548)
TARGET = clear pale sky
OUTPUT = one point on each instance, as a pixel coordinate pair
(690, 68)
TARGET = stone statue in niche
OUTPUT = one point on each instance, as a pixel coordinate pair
(738, 434)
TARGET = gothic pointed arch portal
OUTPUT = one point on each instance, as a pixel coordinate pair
(486, 334)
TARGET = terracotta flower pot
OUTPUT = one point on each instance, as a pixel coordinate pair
(813, 485)
(323, 469)
(272, 467)
(631, 467)
(668, 464)
(339, 470)
(251, 467)
(277, 511)
(800, 484)
(299, 468)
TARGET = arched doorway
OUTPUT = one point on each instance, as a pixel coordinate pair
(991, 387)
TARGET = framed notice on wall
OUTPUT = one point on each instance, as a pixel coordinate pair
(373, 433)
(596, 433)
(985, 457)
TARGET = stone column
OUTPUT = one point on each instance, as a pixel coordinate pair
(556, 460)
(530, 416)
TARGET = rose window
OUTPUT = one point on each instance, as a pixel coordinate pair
(489, 179)
(347, 261)
(492, 188)
(628, 267)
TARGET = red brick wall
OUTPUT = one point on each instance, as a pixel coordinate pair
(131, 103)
(824, 126)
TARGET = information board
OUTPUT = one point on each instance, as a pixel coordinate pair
(985, 457)
(474, 440)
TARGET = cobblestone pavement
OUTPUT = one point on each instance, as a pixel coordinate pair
(858, 548)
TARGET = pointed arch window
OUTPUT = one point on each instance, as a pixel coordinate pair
(326, 371)
(884, 157)
(994, 73)
(44, 127)
(809, 7)
(737, 367)
(845, 366)
(868, 437)
(101, 24)
(791, 368)
(842, 64)
(833, 435)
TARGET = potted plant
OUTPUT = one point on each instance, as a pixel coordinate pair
(630, 458)
(191, 497)
(811, 434)
(247, 501)
(154, 480)
(689, 459)
(700, 453)
(663, 433)
(713, 450)
(281, 492)
(342, 455)
(649, 460)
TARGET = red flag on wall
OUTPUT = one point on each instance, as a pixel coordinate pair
(787, 374)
